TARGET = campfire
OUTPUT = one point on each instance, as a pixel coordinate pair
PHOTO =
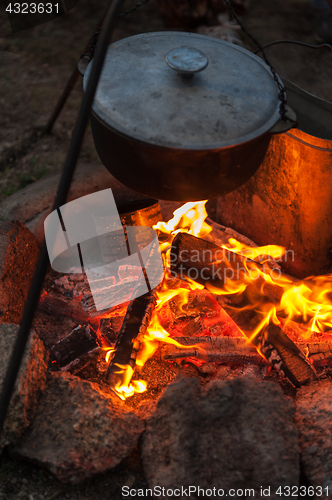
(221, 300)
(223, 337)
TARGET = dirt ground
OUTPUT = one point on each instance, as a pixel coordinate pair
(35, 65)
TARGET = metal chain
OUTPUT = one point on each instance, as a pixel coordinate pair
(95, 36)
(296, 42)
(93, 44)
(129, 11)
(281, 88)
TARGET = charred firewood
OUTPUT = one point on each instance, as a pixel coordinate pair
(223, 350)
(279, 350)
(319, 353)
(56, 305)
(237, 350)
(76, 350)
(135, 322)
(110, 326)
(105, 295)
(285, 356)
(138, 315)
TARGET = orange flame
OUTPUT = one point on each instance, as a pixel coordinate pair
(263, 254)
(190, 218)
(310, 302)
(155, 333)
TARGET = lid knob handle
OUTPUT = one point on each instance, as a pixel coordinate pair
(187, 61)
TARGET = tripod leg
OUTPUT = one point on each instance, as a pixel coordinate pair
(62, 101)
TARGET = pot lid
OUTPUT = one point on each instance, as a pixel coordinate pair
(184, 90)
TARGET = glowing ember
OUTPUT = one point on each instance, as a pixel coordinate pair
(308, 301)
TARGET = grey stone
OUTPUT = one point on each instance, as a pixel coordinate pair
(314, 422)
(32, 204)
(79, 429)
(29, 384)
(230, 434)
(18, 257)
(36, 225)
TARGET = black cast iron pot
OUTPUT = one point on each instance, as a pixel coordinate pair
(179, 116)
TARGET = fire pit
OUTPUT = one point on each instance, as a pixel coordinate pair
(222, 313)
(209, 288)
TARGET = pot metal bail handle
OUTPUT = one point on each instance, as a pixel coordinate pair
(187, 61)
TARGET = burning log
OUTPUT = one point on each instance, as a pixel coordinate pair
(319, 353)
(284, 355)
(110, 326)
(105, 295)
(237, 350)
(273, 344)
(224, 350)
(207, 263)
(135, 322)
(214, 266)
